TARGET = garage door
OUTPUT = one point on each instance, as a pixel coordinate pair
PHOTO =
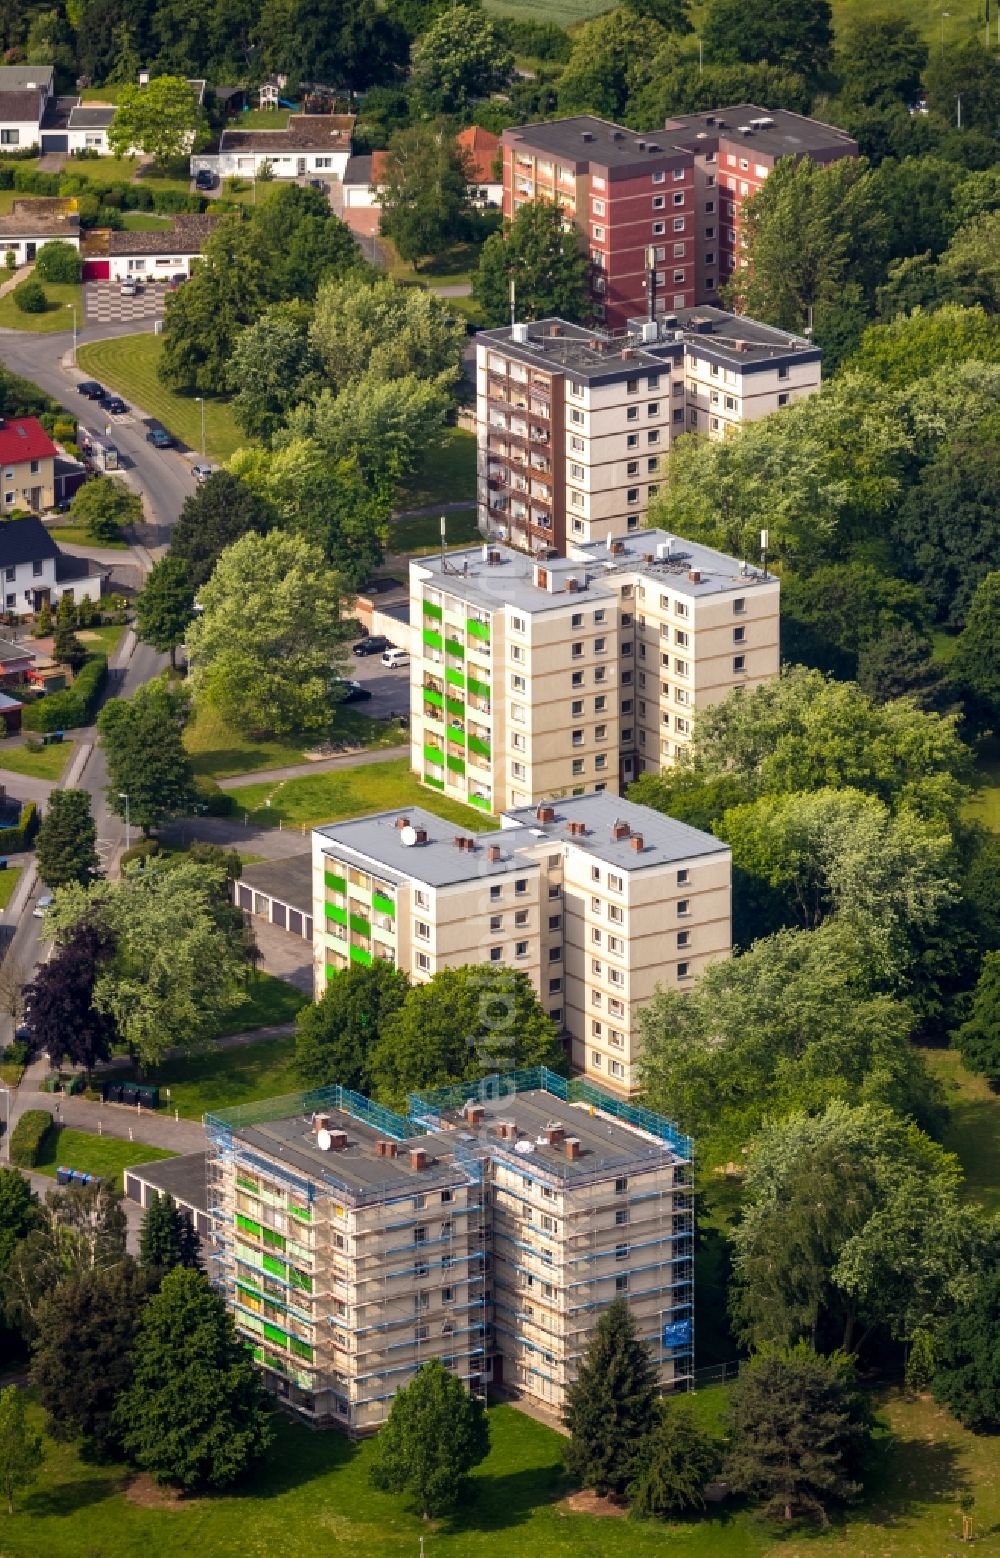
(55, 143)
(96, 270)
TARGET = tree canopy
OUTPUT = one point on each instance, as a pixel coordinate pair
(221, 511)
(335, 1036)
(436, 1432)
(611, 1405)
(424, 191)
(159, 119)
(65, 849)
(545, 262)
(459, 57)
(149, 769)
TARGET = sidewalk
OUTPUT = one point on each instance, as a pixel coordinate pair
(15, 279)
(157, 1128)
(321, 765)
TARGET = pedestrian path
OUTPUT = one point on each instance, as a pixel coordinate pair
(320, 765)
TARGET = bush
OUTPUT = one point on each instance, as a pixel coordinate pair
(6, 176)
(28, 181)
(58, 262)
(169, 200)
(29, 1136)
(12, 840)
(144, 850)
(30, 297)
(16, 1054)
(212, 801)
(76, 706)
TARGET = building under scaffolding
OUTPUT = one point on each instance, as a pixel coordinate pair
(488, 1227)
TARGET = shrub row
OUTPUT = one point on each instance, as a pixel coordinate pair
(97, 197)
(29, 1136)
(74, 707)
(12, 840)
(211, 801)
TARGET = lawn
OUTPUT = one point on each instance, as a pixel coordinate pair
(260, 119)
(449, 475)
(107, 1156)
(453, 267)
(973, 1132)
(349, 792)
(8, 882)
(127, 364)
(984, 806)
(221, 752)
(418, 536)
(56, 317)
(47, 764)
(105, 638)
(313, 1493)
(222, 1078)
(962, 17)
(145, 222)
(269, 1002)
(79, 535)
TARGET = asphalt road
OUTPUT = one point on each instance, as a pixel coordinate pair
(164, 476)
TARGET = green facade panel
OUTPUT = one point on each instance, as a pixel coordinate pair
(430, 610)
(383, 905)
(275, 1267)
(454, 678)
(432, 639)
(247, 1225)
(481, 689)
(336, 884)
(453, 647)
(456, 764)
(455, 706)
(359, 925)
(482, 747)
(435, 784)
(434, 755)
(477, 800)
(478, 629)
(339, 916)
(359, 955)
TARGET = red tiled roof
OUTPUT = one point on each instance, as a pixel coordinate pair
(379, 160)
(481, 146)
(24, 438)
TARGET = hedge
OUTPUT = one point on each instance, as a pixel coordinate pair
(29, 1136)
(76, 706)
(211, 800)
(14, 839)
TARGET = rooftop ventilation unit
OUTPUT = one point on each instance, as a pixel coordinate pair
(664, 550)
(519, 332)
(746, 129)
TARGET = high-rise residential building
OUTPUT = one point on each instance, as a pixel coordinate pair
(677, 191)
(574, 425)
(487, 1227)
(540, 677)
(734, 151)
(597, 900)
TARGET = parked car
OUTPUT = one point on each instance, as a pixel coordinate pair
(351, 692)
(113, 404)
(201, 472)
(393, 658)
(160, 438)
(370, 646)
(205, 179)
(92, 389)
(318, 184)
(130, 287)
(44, 902)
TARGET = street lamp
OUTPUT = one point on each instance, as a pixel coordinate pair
(201, 401)
(128, 836)
(73, 307)
(943, 15)
(6, 1119)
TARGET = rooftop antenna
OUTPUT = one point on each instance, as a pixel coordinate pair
(809, 322)
(763, 551)
(651, 282)
(444, 540)
(513, 303)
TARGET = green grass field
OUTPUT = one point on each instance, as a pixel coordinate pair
(313, 1494)
(984, 806)
(330, 797)
(962, 18)
(104, 1155)
(56, 317)
(261, 119)
(222, 752)
(47, 764)
(79, 535)
(449, 475)
(974, 1128)
(8, 881)
(145, 222)
(105, 638)
(269, 1002)
(127, 364)
(220, 1079)
(414, 537)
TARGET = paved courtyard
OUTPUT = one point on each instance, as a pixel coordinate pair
(104, 305)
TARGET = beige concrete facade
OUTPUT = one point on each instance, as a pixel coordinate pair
(596, 899)
(487, 1228)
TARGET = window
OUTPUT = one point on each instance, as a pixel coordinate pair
(621, 1252)
(517, 623)
(520, 949)
(576, 417)
(739, 606)
(421, 930)
(10, 137)
(659, 228)
(600, 704)
(678, 224)
(653, 408)
(595, 1059)
(423, 962)
(577, 678)
(739, 664)
(578, 765)
(617, 1070)
(632, 414)
(632, 495)
(679, 198)
(783, 371)
(496, 954)
(521, 885)
(496, 893)
(739, 635)
(596, 1029)
(555, 985)
(621, 1217)
(555, 954)
(783, 400)
(683, 971)
(555, 921)
(621, 1283)
(659, 201)
(600, 644)
(496, 922)
(577, 738)
(598, 234)
(598, 207)
(632, 468)
(683, 877)
(683, 938)
(683, 907)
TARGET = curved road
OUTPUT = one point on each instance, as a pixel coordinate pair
(163, 476)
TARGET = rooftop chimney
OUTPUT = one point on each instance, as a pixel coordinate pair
(421, 836)
(636, 842)
(474, 1113)
(546, 814)
(507, 1130)
(321, 1122)
(571, 1146)
(386, 1149)
(418, 1157)
(402, 822)
(493, 853)
(620, 830)
(554, 1133)
(695, 575)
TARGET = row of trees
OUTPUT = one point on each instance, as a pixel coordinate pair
(138, 1358)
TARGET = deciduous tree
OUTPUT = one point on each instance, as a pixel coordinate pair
(978, 1038)
(194, 1414)
(163, 609)
(160, 119)
(334, 1037)
(266, 649)
(948, 526)
(424, 191)
(106, 507)
(380, 330)
(273, 368)
(143, 742)
(388, 427)
(167, 1237)
(549, 269)
(436, 1432)
(675, 1460)
(607, 62)
(21, 1453)
(61, 1015)
(967, 1357)
(976, 665)
(65, 847)
(461, 56)
(221, 511)
(611, 1406)
(881, 57)
(799, 1428)
(799, 38)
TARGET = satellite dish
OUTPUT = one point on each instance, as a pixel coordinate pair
(408, 835)
(523, 1148)
(324, 1141)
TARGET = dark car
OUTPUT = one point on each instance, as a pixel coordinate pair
(318, 184)
(370, 646)
(160, 438)
(92, 389)
(114, 404)
(204, 179)
(351, 692)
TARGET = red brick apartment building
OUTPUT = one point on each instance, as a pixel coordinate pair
(677, 191)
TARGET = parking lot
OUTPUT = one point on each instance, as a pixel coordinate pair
(104, 305)
(390, 690)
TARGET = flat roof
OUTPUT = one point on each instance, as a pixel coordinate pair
(290, 881)
(670, 560)
(605, 1143)
(377, 841)
(786, 135)
(583, 138)
(664, 839)
(357, 1169)
(183, 1178)
(509, 580)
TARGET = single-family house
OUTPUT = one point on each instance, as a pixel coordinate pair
(16, 660)
(35, 571)
(24, 93)
(148, 256)
(309, 144)
(364, 176)
(481, 148)
(27, 465)
(32, 223)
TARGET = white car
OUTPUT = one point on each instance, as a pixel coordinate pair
(202, 472)
(393, 658)
(44, 902)
(129, 287)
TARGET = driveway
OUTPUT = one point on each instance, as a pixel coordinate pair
(390, 690)
(103, 303)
